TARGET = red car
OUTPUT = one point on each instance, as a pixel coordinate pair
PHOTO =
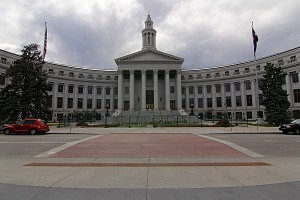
(32, 126)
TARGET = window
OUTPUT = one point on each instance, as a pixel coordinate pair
(249, 100)
(90, 76)
(183, 103)
(71, 89)
(115, 103)
(107, 91)
(116, 90)
(227, 87)
(219, 102)
(107, 103)
(80, 89)
(98, 104)
(208, 89)
(2, 79)
(90, 89)
(200, 103)
(218, 88)
(249, 115)
(209, 102)
(191, 90)
(226, 73)
(247, 70)
(207, 76)
(295, 77)
(182, 90)
(61, 73)
(59, 102)
(238, 101)
(217, 74)
(248, 85)
(89, 103)
(200, 89)
(81, 76)
(172, 89)
(191, 102)
(280, 62)
(258, 67)
(99, 90)
(79, 103)
(71, 74)
(51, 71)
(50, 87)
(296, 95)
(70, 102)
(228, 102)
(60, 88)
(237, 71)
(237, 86)
(293, 59)
(191, 77)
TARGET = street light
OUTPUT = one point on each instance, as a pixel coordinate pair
(192, 110)
(106, 114)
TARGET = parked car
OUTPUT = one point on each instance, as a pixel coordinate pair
(32, 126)
(294, 127)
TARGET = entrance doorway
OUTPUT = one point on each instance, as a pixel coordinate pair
(149, 99)
(172, 105)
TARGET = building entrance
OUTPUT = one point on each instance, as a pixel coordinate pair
(149, 99)
(172, 105)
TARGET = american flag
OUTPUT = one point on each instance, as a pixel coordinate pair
(255, 40)
(45, 42)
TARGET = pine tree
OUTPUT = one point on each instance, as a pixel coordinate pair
(26, 95)
(274, 98)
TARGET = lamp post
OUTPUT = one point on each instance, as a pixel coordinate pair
(192, 110)
(106, 115)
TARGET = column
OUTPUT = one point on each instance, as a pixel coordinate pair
(223, 97)
(120, 89)
(65, 96)
(244, 103)
(111, 98)
(143, 90)
(54, 97)
(289, 88)
(214, 99)
(178, 83)
(84, 97)
(94, 97)
(232, 96)
(155, 84)
(75, 97)
(195, 97)
(167, 89)
(103, 103)
(187, 102)
(131, 90)
(204, 91)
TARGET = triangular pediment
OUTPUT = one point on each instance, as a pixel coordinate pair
(149, 55)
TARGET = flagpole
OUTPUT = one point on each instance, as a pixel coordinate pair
(257, 90)
(45, 43)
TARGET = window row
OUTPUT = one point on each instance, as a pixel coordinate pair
(89, 103)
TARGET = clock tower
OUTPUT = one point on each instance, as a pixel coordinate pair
(149, 34)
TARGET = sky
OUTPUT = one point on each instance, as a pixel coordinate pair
(92, 33)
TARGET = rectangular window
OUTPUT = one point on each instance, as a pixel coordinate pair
(248, 85)
(81, 76)
(238, 101)
(98, 106)
(50, 87)
(70, 102)
(79, 103)
(249, 100)
(89, 103)
(182, 90)
(60, 88)
(208, 89)
(296, 95)
(247, 70)
(209, 102)
(80, 89)
(71, 88)
(280, 62)
(228, 102)
(115, 103)
(90, 89)
(183, 103)
(226, 73)
(99, 90)
(236, 72)
(51, 71)
(2, 79)
(71, 74)
(172, 89)
(249, 115)
(200, 89)
(227, 87)
(295, 77)
(219, 102)
(59, 102)
(293, 59)
(107, 91)
(116, 90)
(107, 103)
(200, 103)
(191, 102)
(237, 86)
(191, 90)
(218, 88)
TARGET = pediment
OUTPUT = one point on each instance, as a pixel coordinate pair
(149, 55)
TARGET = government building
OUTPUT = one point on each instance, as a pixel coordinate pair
(152, 83)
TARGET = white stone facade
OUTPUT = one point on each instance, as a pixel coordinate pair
(153, 81)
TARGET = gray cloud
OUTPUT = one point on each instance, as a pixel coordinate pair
(206, 33)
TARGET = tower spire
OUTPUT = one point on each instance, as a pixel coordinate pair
(149, 34)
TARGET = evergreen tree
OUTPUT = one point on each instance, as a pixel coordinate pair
(26, 95)
(274, 98)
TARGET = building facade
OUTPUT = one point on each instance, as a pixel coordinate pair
(153, 82)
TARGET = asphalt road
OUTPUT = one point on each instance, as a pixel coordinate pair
(281, 151)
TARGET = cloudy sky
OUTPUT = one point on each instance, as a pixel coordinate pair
(93, 33)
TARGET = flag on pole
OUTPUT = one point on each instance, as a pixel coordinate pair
(255, 40)
(45, 42)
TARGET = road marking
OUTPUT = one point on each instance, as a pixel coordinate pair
(236, 147)
(32, 142)
(62, 147)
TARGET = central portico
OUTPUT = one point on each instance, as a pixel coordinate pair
(149, 80)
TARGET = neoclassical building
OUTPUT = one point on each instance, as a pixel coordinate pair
(151, 82)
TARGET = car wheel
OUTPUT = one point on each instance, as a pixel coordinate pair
(285, 132)
(297, 131)
(7, 131)
(33, 131)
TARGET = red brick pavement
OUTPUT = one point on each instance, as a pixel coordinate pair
(148, 145)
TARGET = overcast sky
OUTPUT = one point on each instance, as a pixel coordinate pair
(206, 33)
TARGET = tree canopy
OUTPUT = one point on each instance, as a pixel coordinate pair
(274, 98)
(26, 95)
